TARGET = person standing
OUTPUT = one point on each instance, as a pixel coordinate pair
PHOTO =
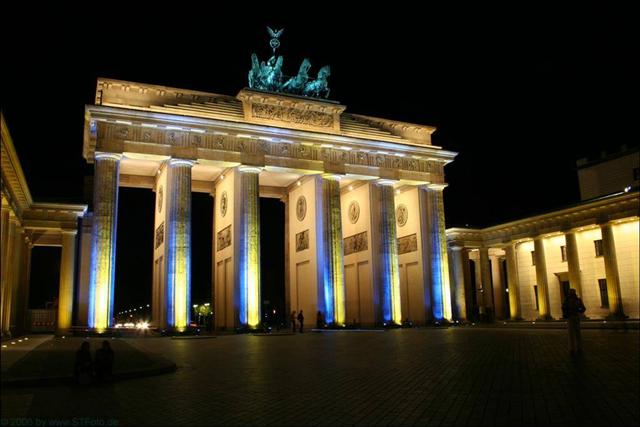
(301, 321)
(572, 308)
(293, 321)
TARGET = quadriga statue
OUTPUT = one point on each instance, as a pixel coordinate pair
(320, 86)
(272, 74)
(255, 73)
(296, 84)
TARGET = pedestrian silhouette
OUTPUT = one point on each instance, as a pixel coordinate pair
(301, 320)
(293, 321)
(572, 308)
(83, 366)
(104, 362)
(319, 320)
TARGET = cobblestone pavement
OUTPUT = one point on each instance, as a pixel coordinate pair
(456, 376)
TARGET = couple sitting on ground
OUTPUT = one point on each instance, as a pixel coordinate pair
(85, 369)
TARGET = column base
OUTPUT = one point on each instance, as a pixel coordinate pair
(441, 322)
(545, 318)
(617, 316)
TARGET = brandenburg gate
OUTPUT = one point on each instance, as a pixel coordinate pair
(364, 223)
(365, 235)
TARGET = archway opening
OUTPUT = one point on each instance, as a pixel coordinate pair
(272, 254)
(134, 255)
(201, 262)
(44, 285)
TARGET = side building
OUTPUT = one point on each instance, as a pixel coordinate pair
(522, 270)
(26, 224)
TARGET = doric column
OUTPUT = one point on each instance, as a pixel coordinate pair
(212, 325)
(249, 253)
(4, 248)
(389, 268)
(103, 240)
(459, 255)
(7, 273)
(178, 235)
(23, 296)
(498, 287)
(440, 287)
(512, 281)
(611, 269)
(487, 285)
(573, 261)
(544, 311)
(13, 277)
(67, 272)
(287, 278)
(334, 288)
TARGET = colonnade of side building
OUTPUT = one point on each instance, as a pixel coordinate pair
(517, 271)
(26, 224)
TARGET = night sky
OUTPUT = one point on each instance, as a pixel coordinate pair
(521, 93)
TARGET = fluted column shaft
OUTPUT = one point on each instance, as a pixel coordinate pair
(459, 255)
(544, 310)
(250, 303)
(440, 286)
(512, 279)
(178, 290)
(573, 261)
(22, 304)
(16, 263)
(67, 271)
(487, 285)
(7, 274)
(334, 288)
(611, 269)
(4, 246)
(391, 301)
(103, 240)
(498, 288)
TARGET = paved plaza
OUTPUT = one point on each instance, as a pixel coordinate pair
(455, 376)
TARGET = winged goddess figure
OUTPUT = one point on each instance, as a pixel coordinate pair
(274, 43)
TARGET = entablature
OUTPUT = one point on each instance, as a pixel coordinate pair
(119, 130)
(610, 209)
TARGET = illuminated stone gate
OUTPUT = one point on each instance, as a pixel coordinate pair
(364, 219)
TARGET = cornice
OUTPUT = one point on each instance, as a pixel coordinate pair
(602, 211)
(14, 183)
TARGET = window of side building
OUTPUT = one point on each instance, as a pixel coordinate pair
(563, 251)
(533, 257)
(535, 292)
(598, 246)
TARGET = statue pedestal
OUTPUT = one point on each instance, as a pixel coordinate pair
(290, 111)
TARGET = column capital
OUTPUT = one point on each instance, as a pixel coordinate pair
(386, 182)
(69, 232)
(605, 224)
(184, 162)
(249, 169)
(332, 176)
(104, 155)
(437, 187)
